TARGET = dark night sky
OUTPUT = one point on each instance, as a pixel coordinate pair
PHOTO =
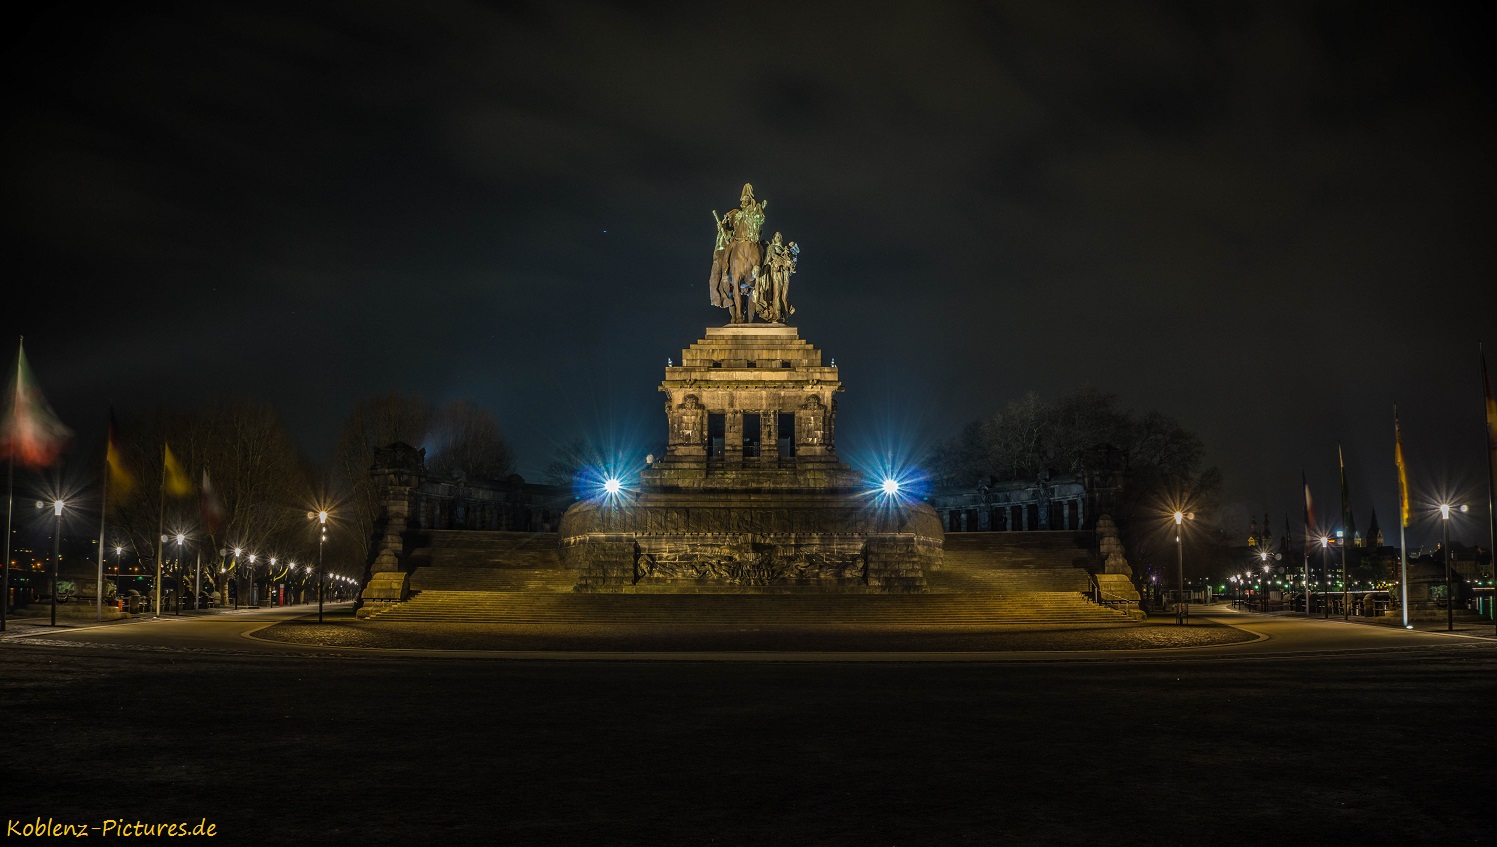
(1266, 220)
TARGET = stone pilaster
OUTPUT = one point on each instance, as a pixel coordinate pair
(397, 473)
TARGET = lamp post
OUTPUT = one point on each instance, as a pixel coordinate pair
(253, 588)
(270, 597)
(119, 570)
(1182, 606)
(321, 571)
(178, 605)
(56, 552)
(1445, 546)
(238, 578)
(1344, 538)
(1325, 576)
(1263, 581)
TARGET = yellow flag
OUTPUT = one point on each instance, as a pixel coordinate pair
(120, 478)
(1403, 474)
(173, 479)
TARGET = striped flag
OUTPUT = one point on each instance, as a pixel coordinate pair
(31, 434)
(1403, 474)
(213, 508)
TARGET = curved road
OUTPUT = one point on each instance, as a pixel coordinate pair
(1277, 636)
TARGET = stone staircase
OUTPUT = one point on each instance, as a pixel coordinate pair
(1009, 564)
(465, 560)
(750, 610)
(988, 579)
(1018, 549)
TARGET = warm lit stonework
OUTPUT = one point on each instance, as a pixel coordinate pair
(750, 495)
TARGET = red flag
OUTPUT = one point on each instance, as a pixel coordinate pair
(31, 433)
(213, 508)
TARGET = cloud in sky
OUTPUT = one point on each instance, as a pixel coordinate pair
(1267, 221)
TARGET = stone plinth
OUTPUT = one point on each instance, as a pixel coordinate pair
(750, 495)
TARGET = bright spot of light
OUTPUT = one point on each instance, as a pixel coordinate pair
(891, 486)
(611, 485)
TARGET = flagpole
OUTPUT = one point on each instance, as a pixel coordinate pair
(10, 507)
(1346, 533)
(10, 495)
(1403, 510)
(160, 530)
(1491, 428)
(1307, 570)
(103, 517)
(1306, 483)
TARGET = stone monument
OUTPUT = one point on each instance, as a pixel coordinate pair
(396, 473)
(750, 494)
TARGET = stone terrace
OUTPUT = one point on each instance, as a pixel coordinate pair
(988, 579)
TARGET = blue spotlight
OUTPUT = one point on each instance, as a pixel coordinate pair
(611, 485)
(891, 486)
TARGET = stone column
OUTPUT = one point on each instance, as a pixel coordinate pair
(810, 428)
(397, 473)
(688, 427)
(733, 437)
(769, 438)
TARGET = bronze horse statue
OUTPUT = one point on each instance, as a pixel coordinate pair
(738, 256)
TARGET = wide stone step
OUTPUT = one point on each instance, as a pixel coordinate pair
(490, 579)
(740, 610)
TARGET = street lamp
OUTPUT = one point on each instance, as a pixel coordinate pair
(1445, 509)
(270, 597)
(1325, 576)
(178, 605)
(1263, 580)
(1182, 606)
(254, 589)
(321, 571)
(238, 578)
(57, 506)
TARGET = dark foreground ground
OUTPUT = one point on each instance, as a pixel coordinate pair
(343, 630)
(1381, 747)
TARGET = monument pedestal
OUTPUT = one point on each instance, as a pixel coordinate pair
(750, 495)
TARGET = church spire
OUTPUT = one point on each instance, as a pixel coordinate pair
(1374, 534)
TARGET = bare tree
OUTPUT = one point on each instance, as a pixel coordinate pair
(259, 482)
(1163, 459)
(466, 441)
(568, 460)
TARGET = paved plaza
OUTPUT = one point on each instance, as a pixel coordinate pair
(1316, 731)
